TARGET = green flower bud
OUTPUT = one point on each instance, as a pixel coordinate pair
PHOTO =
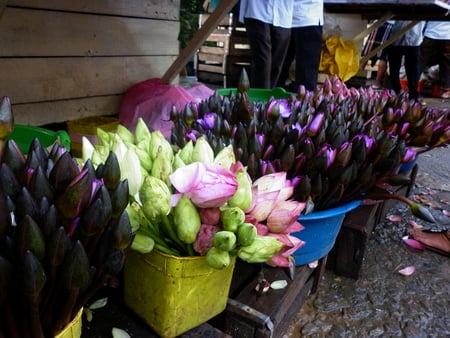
(160, 145)
(125, 134)
(224, 240)
(202, 151)
(226, 157)
(246, 234)
(243, 196)
(261, 250)
(155, 197)
(142, 132)
(186, 220)
(142, 243)
(231, 218)
(162, 165)
(185, 153)
(177, 162)
(217, 259)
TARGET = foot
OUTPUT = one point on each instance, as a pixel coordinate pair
(376, 86)
(437, 240)
(445, 94)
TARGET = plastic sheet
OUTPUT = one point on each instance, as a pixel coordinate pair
(339, 58)
(152, 100)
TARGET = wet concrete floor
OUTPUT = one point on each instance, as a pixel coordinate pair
(382, 302)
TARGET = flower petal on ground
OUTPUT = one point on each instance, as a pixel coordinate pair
(119, 333)
(279, 284)
(413, 243)
(409, 270)
(394, 218)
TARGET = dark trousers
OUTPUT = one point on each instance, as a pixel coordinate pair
(437, 52)
(269, 45)
(308, 46)
(412, 68)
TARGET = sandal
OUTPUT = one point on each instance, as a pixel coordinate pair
(376, 88)
(445, 233)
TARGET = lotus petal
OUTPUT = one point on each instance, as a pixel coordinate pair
(394, 218)
(413, 243)
(119, 333)
(409, 270)
(279, 284)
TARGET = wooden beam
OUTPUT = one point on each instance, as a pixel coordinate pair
(372, 27)
(388, 41)
(2, 7)
(198, 39)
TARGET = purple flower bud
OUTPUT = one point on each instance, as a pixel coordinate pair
(285, 110)
(316, 124)
(330, 154)
(208, 121)
(404, 129)
(191, 135)
(410, 155)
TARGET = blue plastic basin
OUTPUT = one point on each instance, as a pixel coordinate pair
(320, 233)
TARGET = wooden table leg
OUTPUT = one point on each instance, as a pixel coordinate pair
(319, 273)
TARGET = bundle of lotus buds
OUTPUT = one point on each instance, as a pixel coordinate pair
(189, 201)
(330, 142)
(64, 232)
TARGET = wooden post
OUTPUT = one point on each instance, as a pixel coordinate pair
(2, 7)
(208, 27)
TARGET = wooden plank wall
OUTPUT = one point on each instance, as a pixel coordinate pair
(63, 59)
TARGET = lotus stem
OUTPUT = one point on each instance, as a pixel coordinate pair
(417, 209)
(10, 319)
(35, 317)
(66, 311)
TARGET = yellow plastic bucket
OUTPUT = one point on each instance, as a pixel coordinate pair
(87, 126)
(174, 294)
(73, 329)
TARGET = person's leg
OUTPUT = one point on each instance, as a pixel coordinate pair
(381, 72)
(289, 58)
(444, 68)
(308, 46)
(258, 34)
(436, 240)
(395, 62)
(429, 53)
(280, 38)
(412, 69)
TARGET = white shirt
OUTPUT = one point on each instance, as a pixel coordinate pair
(307, 13)
(438, 30)
(275, 12)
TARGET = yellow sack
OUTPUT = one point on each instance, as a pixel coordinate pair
(339, 58)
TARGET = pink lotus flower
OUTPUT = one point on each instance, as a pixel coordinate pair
(290, 245)
(274, 214)
(283, 215)
(204, 240)
(208, 185)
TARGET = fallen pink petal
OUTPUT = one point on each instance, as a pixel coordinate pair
(394, 218)
(446, 213)
(262, 286)
(413, 243)
(408, 271)
(313, 264)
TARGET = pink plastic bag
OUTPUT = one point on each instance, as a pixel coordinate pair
(152, 100)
